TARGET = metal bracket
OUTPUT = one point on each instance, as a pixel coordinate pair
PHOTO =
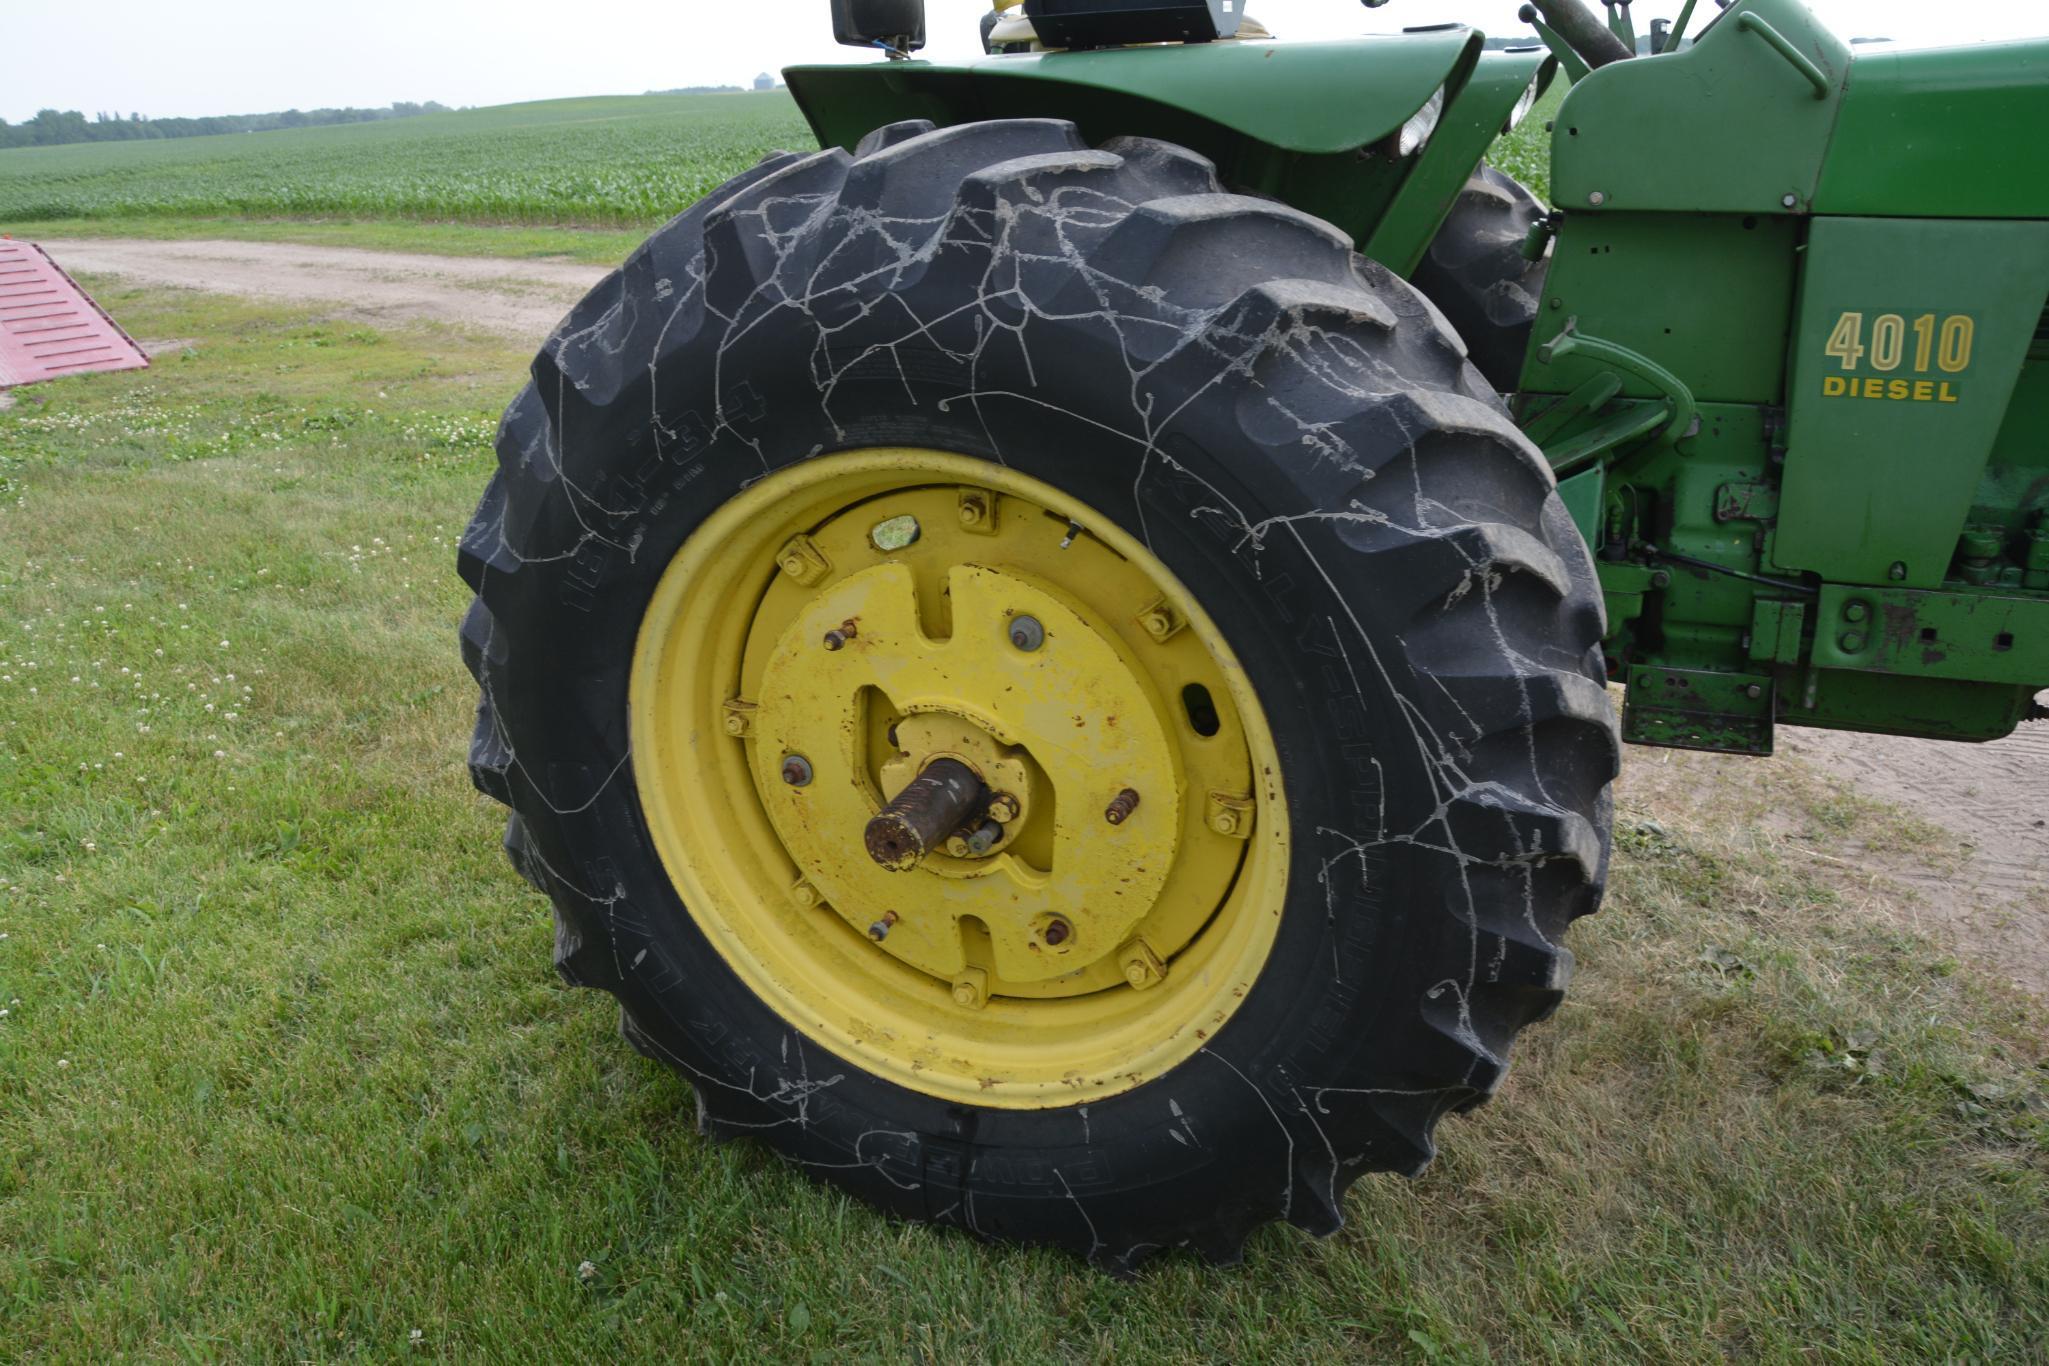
(1683, 413)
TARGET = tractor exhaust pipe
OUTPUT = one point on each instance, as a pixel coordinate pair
(1582, 32)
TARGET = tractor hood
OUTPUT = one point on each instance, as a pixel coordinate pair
(1306, 98)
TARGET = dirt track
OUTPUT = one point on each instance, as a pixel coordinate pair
(520, 299)
(1993, 906)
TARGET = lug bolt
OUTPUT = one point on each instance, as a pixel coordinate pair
(971, 988)
(975, 842)
(841, 634)
(1224, 822)
(879, 931)
(973, 511)
(796, 770)
(1026, 633)
(1003, 807)
(1056, 932)
(1122, 805)
(1135, 973)
(736, 724)
(804, 894)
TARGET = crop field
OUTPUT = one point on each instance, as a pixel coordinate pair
(631, 161)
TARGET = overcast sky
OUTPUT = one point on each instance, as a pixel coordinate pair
(254, 56)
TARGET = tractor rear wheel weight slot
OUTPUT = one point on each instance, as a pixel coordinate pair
(1110, 1035)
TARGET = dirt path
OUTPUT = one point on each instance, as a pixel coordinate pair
(521, 299)
(1993, 905)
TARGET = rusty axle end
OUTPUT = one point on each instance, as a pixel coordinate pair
(918, 819)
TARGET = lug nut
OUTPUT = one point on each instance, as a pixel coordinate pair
(1224, 822)
(1121, 805)
(796, 770)
(841, 634)
(879, 931)
(1003, 807)
(1056, 932)
(1026, 633)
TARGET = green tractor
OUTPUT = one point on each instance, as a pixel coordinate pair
(1055, 654)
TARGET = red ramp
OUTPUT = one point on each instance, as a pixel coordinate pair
(49, 327)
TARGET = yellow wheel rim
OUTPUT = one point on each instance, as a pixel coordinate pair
(838, 626)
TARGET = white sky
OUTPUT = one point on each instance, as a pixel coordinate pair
(253, 56)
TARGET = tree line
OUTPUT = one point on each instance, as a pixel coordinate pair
(50, 127)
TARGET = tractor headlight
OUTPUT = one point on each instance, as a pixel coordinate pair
(1524, 105)
(1421, 125)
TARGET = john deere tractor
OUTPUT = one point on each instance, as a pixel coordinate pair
(1056, 654)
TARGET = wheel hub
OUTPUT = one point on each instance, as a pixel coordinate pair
(957, 778)
(1060, 887)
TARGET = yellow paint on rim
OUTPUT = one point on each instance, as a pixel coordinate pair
(1077, 957)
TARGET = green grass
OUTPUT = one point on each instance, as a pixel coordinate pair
(285, 1072)
(614, 161)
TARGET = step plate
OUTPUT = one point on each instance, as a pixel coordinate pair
(49, 327)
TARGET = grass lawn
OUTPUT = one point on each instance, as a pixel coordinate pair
(285, 1073)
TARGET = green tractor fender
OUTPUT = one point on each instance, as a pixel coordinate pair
(1319, 125)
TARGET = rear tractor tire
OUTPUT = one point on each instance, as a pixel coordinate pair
(1052, 694)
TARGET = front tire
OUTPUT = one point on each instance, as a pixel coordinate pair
(1223, 404)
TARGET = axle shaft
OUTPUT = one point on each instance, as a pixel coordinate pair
(935, 804)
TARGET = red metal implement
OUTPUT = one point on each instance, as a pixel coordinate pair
(49, 327)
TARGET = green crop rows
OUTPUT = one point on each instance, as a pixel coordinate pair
(628, 161)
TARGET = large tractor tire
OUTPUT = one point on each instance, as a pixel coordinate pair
(1476, 273)
(1052, 694)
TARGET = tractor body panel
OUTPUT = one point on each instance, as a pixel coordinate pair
(1908, 341)
(1942, 133)
(1727, 125)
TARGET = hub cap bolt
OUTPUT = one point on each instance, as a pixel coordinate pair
(1121, 806)
(1057, 931)
(796, 770)
(1026, 633)
(879, 931)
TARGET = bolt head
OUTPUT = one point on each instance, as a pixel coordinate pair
(1003, 808)
(1851, 642)
(1057, 932)
(796, 770)
(964, 993)
(1754, 691)
(1026, 633)
(793, 565)
(834, 640)
(735, 725)
(1855, 611)
(1791, 201)
(971, 512)
(1898, 570)
(1155, 623)
(1597, 198)
(1224, 822)
(804, 894)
